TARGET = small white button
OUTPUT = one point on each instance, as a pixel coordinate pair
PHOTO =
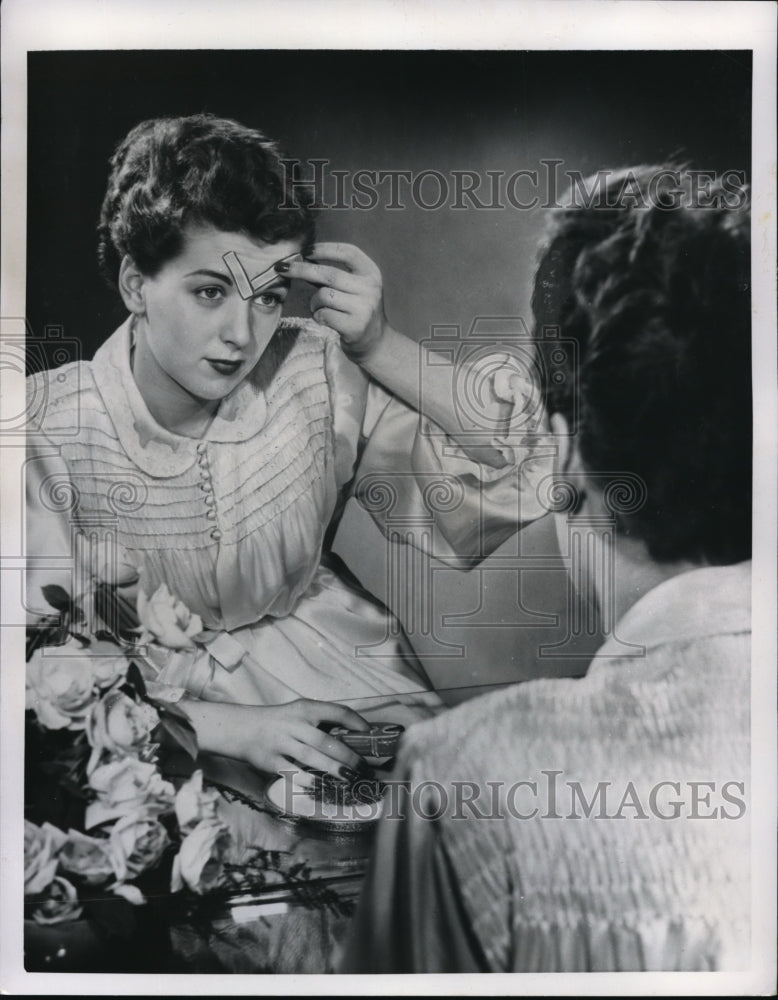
(211, 515)
(216, 534)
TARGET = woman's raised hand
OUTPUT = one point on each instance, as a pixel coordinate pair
(349, 296)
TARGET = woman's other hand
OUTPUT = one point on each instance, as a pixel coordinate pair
(270, 737)
(290, 732)
(349, 297)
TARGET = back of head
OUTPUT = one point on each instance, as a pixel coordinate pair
(652, 282)
(169, 173)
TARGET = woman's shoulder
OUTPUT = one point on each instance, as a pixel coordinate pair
(487, 731)
(304, 337)
(298, 344)
(305, 356)
(306, 332)
(56, 397)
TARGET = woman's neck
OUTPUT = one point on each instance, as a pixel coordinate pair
(618, 569)
(635, 573)
(169, 403)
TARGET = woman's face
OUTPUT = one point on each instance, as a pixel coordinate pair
(196, 335)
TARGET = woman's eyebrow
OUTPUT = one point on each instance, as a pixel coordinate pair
(210, 274)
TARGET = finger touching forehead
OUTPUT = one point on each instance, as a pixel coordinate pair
(240, 268)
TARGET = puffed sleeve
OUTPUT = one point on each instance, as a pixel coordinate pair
(49, 533)
(475, 505)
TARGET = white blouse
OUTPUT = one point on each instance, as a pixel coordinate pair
(234, 522)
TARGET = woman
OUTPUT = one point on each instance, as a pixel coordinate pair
(213, 438)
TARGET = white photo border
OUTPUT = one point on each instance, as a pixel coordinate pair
(372, 24)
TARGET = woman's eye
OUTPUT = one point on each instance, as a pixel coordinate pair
(211, 293)
(270, 299)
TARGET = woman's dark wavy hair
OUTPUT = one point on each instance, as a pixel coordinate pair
(171, 172)
(657, 301)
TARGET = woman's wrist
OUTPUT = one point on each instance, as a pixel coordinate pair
(364, 351)
(218, 726)
(387, 356)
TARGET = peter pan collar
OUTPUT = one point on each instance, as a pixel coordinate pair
(151, 447)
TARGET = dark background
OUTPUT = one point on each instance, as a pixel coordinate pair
(414, 110)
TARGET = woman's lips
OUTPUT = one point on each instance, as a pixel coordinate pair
(224, 367)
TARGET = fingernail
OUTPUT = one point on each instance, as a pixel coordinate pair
(281, 267)
(348, 773)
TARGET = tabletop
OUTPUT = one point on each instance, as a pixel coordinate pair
(299, 920)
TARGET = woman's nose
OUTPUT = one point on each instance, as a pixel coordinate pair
(238, 328)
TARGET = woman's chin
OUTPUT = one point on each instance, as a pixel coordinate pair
(218, 387)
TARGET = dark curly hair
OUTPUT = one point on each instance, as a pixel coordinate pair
(172, 172)
(657, 299)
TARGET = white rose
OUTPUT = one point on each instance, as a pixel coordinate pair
(42, 845)
(125, 786)
(59, 904)
(138, 842)
(194, 804)
(89, 858)
(199, 863)
(60, 685)
(169, 620)
(119, 725)
(108, 666)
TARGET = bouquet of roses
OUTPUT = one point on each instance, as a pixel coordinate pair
(116, 816)
(102, 822)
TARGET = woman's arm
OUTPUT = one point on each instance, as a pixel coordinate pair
(351, 302)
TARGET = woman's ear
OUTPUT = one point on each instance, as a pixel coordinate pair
(561, 431)
(131, 286)
(567, 461)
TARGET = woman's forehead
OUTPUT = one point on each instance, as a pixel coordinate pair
(206, 247)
